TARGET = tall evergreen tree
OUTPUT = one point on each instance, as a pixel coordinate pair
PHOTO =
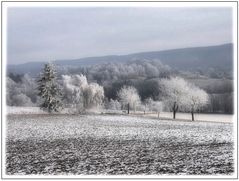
(49, 90)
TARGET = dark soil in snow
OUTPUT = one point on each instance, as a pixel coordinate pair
(116, 156)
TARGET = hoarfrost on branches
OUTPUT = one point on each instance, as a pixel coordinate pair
(157, 106)
(175, 90)
(73, 87)
(128, 95)
(26, 88)
(21, 99)
(196, 99)
(79, 94)
(93, 95)
(180, 94)
(49, 90)
(113, 104)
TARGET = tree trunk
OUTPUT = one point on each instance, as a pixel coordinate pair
(192, 116)
(175, 109)
(128, 108)
(174, 114)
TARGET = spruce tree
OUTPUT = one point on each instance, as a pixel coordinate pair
(49, 90)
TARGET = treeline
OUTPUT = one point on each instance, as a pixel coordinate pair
(144, 75)
(112, 72)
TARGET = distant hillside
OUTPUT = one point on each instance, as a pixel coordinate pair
(218, 57)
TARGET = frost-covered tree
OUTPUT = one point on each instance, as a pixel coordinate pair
(157, 106)
(24, 88)
(151, 105)
(93, 95)
(113, 105)
(175, 90)
(21, 100)
(183, 95)
(11, 88)
(151, 70)
(196, 99)
(49, 90)
(73, 87)
(147, 104)
(129, 96)
(109, 72)
(79, 94)
(28, 86)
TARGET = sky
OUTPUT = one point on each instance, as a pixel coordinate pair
(56, 33)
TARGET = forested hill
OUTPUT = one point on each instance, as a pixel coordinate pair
(197, 58)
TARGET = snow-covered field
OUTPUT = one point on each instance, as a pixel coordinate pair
(28, 110)
(107, 144)
(197, 116)
(24, 110)
(167, 115)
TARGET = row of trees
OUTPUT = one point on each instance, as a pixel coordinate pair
(77, 93)
(178, 95)
(73, 91)
(182, 95)
(80, 95)
(111, 72)
(144, 75)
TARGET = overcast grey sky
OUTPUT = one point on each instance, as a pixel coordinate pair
(43, 34)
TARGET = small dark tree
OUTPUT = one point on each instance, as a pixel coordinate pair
(49, 90)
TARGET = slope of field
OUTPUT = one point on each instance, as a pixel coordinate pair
(61, 144)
